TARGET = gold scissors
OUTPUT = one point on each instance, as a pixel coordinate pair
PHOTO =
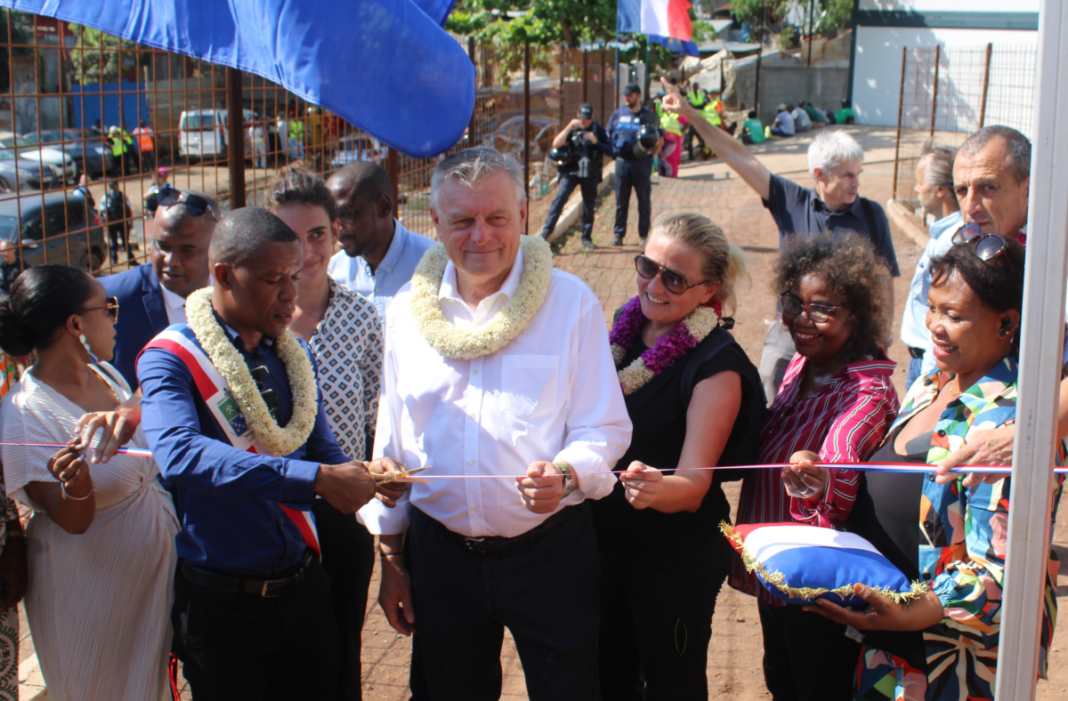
(405, 476)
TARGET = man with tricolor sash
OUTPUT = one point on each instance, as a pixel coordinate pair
(233, 416)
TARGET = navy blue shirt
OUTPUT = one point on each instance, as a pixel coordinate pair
(623, 127)
(798, 210)
(228, 498)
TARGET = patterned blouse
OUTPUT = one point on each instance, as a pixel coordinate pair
(348, 348)
(844, 421)
(962, 555)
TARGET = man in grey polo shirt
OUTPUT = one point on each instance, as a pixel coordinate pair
(835, 161)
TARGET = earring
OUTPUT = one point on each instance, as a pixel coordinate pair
(85, 344)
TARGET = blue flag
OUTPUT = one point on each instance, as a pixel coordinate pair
(680, 47)
(437, 10)
(385, 66)
(629, 16)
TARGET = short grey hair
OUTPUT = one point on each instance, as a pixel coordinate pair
(939, 171)
(1018, 145)
(831, 148)
(474, 164)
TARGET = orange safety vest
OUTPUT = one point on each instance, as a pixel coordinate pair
(145, 140)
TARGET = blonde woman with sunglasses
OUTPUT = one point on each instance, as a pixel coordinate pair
(100, 543)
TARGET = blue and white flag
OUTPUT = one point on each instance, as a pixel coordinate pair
(799, 563)
(385, 66)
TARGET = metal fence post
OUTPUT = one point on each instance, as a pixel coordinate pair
(900, 106)
(235, 147)
(563, 95)
(393, 168)
(526, 129)
(986, 85)
(934, 97)
(1027, 554)
(471, 140)
(585, 76)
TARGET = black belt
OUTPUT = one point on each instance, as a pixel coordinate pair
(267, 588)
(491, 545)
(916, 352)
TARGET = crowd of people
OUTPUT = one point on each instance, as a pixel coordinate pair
(276, 376)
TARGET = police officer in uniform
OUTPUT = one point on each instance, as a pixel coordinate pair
(636, 139)
(581, 147)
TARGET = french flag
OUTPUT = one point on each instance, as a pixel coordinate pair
(798, 563)
(667, 18)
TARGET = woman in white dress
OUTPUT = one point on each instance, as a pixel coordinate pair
(101, 551)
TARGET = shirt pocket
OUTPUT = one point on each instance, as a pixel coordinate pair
(525, 382)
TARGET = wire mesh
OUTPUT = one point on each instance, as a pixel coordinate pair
(87, 119)
(949, 93)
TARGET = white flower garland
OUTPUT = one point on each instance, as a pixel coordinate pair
(498, 332)
(636, 375)
(268, 436)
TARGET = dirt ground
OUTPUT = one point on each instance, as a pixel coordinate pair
(734, 655)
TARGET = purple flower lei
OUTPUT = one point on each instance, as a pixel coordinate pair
(669, 347)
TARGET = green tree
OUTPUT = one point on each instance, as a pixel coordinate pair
(834, 14)
(96, 56)
(21, 28)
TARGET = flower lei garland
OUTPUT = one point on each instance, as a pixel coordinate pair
(498, 332)
(269, 437)
(669, 347)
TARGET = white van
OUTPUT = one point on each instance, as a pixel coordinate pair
(202, 133)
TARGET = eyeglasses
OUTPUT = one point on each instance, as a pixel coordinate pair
(111, 308)
(987, 247)
(195, 204)
(675, 283)
(818, 313)
(261, 374)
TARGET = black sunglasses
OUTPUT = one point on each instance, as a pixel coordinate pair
(195, 204)
(111, 308)
(674, 282)
(987, 247)
(818, 313)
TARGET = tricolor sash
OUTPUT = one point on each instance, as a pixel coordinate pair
(215, 393)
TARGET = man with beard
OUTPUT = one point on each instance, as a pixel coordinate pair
(379, 254)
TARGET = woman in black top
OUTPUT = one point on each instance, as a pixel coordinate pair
(696, 401)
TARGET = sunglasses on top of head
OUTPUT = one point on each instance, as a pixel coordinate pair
(195, 204)
(986, 247)
(674, 282)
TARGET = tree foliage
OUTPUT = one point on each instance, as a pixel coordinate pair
(96, 56)
(21, 28)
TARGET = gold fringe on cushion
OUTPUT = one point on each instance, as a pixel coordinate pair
(777, 580)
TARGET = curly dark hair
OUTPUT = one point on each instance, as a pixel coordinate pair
(998, 283)
(848, 263)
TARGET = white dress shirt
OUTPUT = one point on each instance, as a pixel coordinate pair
(175, 305)
(552, 394)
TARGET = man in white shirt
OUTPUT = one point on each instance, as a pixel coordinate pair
(784, 122)
(152, 296)
(379, 254)
(523, 411)
(934, 189)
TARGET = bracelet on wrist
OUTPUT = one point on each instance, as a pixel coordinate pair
(569, 478)
(394, 554)
(70, 496)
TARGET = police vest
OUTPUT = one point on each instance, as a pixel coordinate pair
(625, 128)
(697, 99)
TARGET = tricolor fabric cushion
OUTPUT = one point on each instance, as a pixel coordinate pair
(799, 563)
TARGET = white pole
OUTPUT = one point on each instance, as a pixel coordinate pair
(1040, 367)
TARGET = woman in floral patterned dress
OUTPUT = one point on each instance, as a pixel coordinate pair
(945, 646)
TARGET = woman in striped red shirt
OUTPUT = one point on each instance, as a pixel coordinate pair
(837, 400)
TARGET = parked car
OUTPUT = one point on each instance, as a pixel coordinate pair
(55, 157)
(358, 147)
(19, 174)
(90, 152)
(54, 227)
(202, 133)
(509, 137)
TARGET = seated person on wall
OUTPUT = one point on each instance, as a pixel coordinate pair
(753, 130)
(844, 115)
(801, 120)
(817, 117)
(784, 122)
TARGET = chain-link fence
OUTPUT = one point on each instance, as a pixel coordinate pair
(87, 120)
(946, 94)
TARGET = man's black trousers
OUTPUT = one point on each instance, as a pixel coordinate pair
(568, 183)
(349, 560)
(238, 647)
(636, 175)
(544, 592)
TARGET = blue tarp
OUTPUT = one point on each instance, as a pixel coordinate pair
(102, 102)
(385, 66)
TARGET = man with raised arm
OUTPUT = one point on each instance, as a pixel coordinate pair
(233, 416)
(835, 161)
(498, 374)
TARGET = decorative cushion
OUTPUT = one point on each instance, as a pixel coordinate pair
(798, 563)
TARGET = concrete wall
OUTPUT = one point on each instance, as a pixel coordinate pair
(877, 74)
(821, 85)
